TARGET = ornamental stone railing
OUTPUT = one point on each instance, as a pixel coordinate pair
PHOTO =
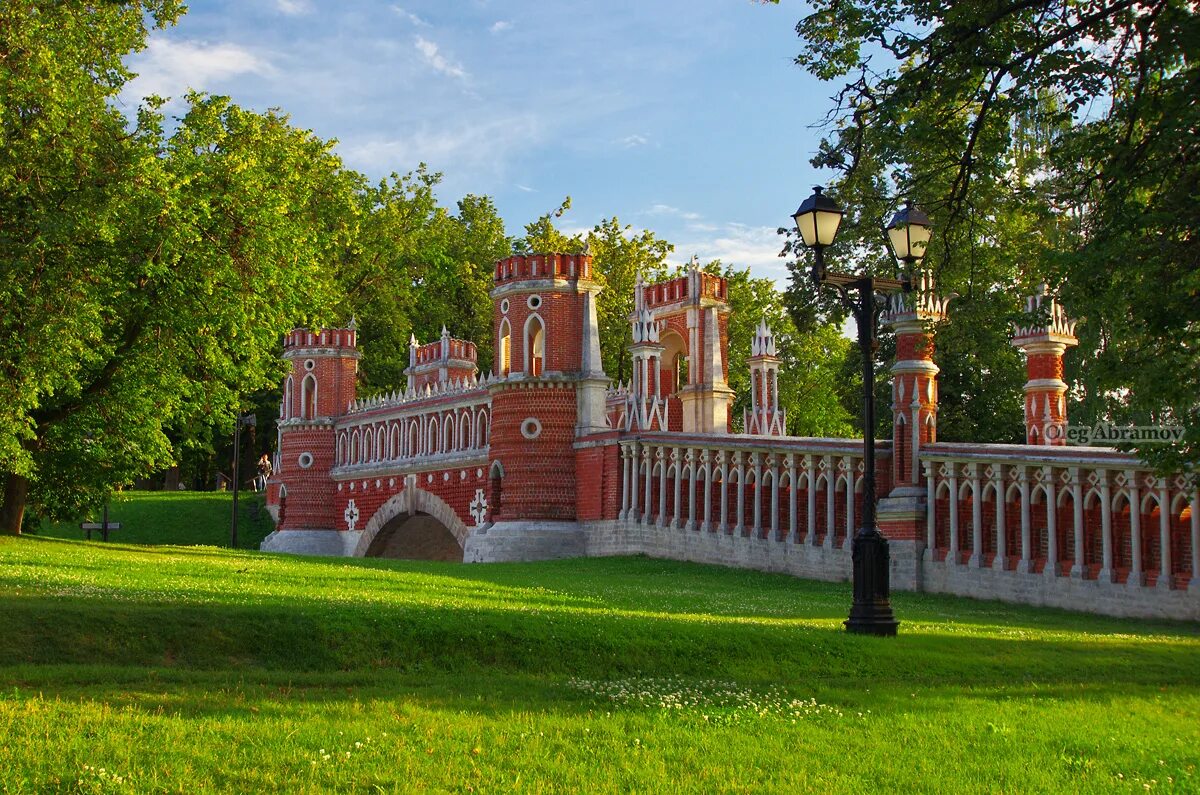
(795, 490)
(1085, 513)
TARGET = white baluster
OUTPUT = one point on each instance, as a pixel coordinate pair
(1136, 577)
(976, 558)
(693, 464)
(677, 519)
(1000, 495)
(952, 555)
(1077, 568)
(1164, 538)
(1051, 569)
(1106, 573)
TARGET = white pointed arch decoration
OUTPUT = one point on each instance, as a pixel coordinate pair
(411, 500)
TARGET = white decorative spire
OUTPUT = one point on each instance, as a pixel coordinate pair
(763, 343)
(646, 329)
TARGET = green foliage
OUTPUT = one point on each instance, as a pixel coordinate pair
(149, 276)
(544, 237)
(1049, 141)
(164, 665)
(414, 267)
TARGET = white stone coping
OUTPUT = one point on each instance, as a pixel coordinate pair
(407, 466)
(742, 442)
(1032, 455)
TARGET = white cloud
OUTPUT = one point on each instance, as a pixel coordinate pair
(666, 209)
(525, 188)
(294, 7)
(430, 52)
(500, 26)
(168, 67)
(482, 149)
(410, 16)
(739, 245)
(630, 141)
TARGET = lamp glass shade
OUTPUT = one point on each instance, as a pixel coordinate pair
(909, 232)
(818, 219)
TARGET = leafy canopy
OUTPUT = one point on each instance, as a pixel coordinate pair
(1049, 140)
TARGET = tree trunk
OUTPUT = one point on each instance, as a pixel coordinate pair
(12, 510)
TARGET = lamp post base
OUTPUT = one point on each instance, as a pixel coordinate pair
(871, 613)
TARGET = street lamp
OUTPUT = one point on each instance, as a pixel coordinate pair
(909, 232)
(817, 220)
(250, 421)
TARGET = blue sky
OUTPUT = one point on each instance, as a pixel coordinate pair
(687, 118)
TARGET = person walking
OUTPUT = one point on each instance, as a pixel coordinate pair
(264, 472)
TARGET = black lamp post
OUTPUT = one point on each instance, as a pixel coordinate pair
(248, 420)
(817, 220)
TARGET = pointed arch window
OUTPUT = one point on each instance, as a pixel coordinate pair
(504, 349)
(308, 397)
(535, 346)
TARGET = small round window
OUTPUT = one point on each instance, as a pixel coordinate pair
(531, 428)
(309, 364)
(534, 301)
(504, 306)
(305, 460)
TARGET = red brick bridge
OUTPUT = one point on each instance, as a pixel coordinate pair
(544, 457)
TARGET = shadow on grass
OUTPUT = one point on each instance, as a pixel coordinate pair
(471, 640)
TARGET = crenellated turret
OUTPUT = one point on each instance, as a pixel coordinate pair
(320, 388)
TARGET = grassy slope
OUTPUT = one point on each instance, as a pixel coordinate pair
(180, 517)
(200, 670)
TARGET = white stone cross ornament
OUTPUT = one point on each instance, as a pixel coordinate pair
(479, 507)
(350, 515)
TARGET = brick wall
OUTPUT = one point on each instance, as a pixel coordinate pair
(539, 473)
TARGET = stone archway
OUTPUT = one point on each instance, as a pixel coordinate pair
(418, 536)
(413, 503)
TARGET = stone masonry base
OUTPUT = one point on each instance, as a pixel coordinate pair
(910, 570)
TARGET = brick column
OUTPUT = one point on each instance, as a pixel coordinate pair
(901, 515)
(1044, 341)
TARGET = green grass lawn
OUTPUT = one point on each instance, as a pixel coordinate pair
(143, 669)
(175, 517)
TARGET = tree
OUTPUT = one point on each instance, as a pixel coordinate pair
(543, 237)
(146, 278)
(413, 267)
(1050, 140)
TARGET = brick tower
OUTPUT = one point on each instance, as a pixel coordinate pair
(1044, 342)
(914, 380)
(692, 312)
(549, 385)
(320, 387)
